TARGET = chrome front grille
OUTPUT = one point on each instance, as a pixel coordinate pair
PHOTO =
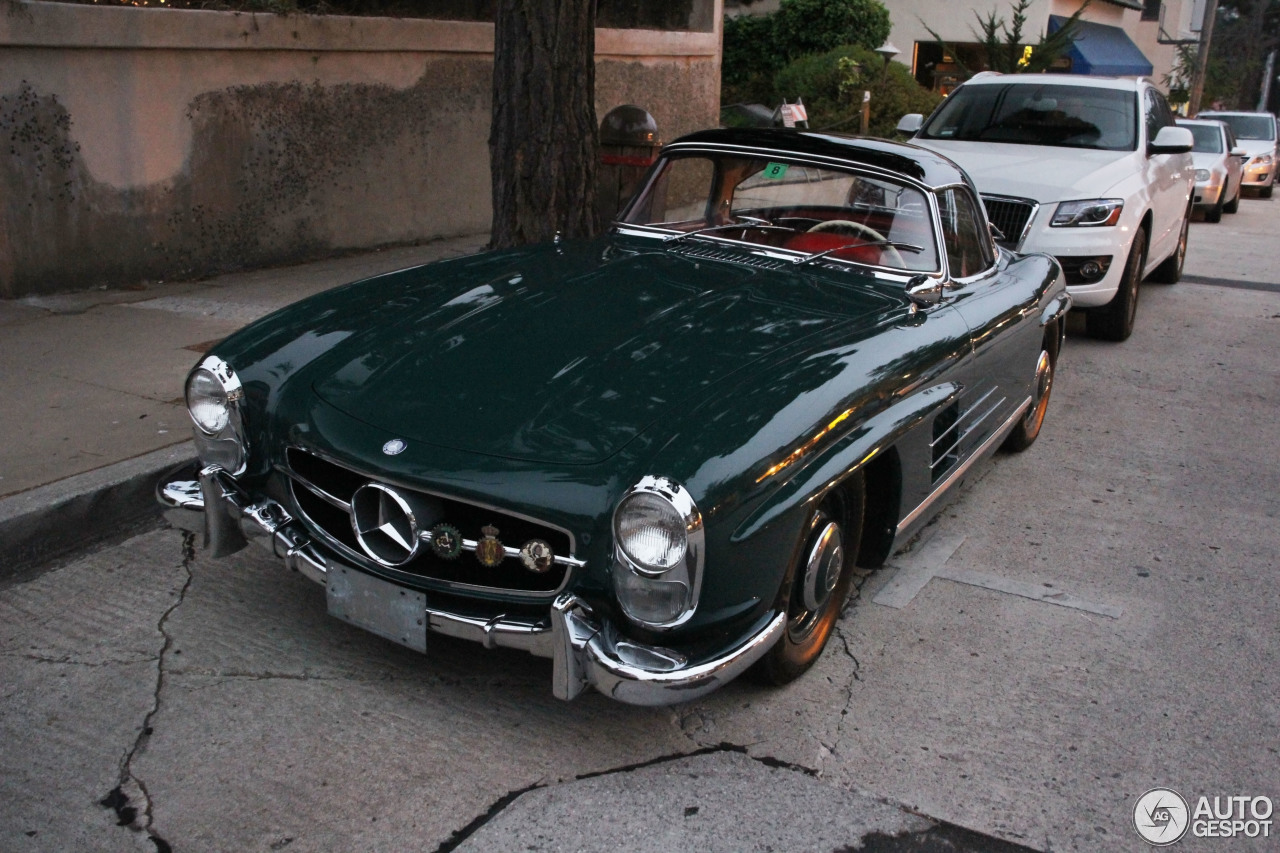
(1011, 216)
(324, 491)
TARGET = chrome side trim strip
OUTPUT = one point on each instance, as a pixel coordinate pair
(960, 420)
(962, 468)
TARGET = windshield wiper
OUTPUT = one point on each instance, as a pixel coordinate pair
(752, 222)
(893, 244)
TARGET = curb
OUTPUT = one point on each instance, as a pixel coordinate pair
(49, 522)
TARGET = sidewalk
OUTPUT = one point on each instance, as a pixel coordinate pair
(92, 384)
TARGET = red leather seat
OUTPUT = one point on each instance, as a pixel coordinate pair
(820, 241)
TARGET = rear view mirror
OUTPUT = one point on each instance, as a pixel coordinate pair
(1240, 152)
(1171, 140)
(910, 123)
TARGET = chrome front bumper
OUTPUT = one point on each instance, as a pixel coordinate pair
(585, 649)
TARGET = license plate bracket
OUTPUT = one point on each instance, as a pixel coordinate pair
(379, 607)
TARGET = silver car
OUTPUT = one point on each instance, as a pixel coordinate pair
(1256, 133)
(1219, 163)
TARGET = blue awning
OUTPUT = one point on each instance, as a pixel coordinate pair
(1103, 50)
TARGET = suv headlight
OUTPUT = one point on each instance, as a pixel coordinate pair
(657, 556)
(213, 399)
(1091, 212)
(1202, 175)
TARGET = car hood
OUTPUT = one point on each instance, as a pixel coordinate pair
(1257, 147)
(565, 356)
(1040, 172)
(1207, 160)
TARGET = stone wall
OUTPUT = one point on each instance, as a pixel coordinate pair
(148, 143)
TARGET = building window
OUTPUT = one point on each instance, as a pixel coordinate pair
(1151, 10)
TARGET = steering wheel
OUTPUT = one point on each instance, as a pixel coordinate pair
(862, 231)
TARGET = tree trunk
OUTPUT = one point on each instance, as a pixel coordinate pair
(543, 144)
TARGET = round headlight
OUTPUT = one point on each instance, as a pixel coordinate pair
(651, 532)
(207, 401)
(1202, 175)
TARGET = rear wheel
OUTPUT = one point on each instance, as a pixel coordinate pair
(1114, 321)
(819, 584)
(1028, 428)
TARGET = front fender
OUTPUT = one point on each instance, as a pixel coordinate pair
(848, 454)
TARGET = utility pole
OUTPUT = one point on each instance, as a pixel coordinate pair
(1202, 56)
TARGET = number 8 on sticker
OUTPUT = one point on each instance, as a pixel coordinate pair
(774, 171)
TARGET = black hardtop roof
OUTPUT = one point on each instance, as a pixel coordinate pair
(920, 164)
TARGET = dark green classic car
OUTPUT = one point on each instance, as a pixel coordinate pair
(654, 457)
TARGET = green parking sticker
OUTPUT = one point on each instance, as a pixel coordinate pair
(775, 171)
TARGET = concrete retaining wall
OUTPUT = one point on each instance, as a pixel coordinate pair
(146, 143)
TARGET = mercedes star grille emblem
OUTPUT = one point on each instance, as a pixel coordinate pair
(394, 446)
(384, 524)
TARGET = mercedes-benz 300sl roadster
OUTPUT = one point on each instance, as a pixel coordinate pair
(656, 457)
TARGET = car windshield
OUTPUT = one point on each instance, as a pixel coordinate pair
(1207, 138)
(1056, 114)
(774, 202)
(1254, 126)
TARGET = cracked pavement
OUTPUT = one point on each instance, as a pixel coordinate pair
(230, 712)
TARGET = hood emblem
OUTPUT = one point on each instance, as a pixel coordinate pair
(384, 524)
(394, 446)
(489, 550)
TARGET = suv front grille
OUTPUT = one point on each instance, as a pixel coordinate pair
(1011, 216)
(323, 492)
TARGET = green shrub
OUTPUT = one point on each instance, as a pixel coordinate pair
(803, 27)
(756, 48)
(831, 85)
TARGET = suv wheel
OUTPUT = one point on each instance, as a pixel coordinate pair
(1170, 270)
(1114, 321)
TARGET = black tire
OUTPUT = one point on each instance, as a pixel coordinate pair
(1214, 214)
(1233, 206)
(1265, 192)
(1170, 269)
(812, 597)
(1114, 321)
(1024, 434)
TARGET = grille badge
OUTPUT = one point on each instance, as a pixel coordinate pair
(394, 446)
(384, 524)
(489, 550)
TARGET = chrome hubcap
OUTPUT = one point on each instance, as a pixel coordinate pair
(822, 569)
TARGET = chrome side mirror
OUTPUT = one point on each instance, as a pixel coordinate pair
(924, 291)
(910, 123)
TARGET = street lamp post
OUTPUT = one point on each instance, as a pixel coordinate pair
(887, 52)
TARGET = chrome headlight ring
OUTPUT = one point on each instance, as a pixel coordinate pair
(663, 591)
(214, 395)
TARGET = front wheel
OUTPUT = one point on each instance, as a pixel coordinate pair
(819, 584)
(1170, 270)
(1114, 321)
(1214, 214)
(1233, 205)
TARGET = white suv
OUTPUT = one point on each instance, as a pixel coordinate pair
(1090, 170)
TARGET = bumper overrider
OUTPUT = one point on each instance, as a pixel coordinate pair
(585, 649)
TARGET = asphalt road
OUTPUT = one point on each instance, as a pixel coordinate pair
(1088, 620)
